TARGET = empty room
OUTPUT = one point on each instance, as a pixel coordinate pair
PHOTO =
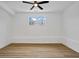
(39, 29)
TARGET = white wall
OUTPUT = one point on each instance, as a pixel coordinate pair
(49, 32)
(4, 28)
(71, 27)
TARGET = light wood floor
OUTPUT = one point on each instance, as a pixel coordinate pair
(37, 51)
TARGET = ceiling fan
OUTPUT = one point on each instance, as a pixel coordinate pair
(36, 4)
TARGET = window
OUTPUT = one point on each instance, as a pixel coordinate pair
(37, 20)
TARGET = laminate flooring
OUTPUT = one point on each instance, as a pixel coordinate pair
(19, 50)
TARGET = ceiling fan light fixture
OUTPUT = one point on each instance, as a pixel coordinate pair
(35, 5)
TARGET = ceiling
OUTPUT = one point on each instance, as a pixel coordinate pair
(52, 6)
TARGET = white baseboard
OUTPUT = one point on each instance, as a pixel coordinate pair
(37, 39)
(4, 45)
(71, 43)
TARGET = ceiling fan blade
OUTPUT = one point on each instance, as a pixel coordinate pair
(32, 7)
(43, 2)
(27, 2)
(40, 7)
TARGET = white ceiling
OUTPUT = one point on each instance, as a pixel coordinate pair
(52, 6)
